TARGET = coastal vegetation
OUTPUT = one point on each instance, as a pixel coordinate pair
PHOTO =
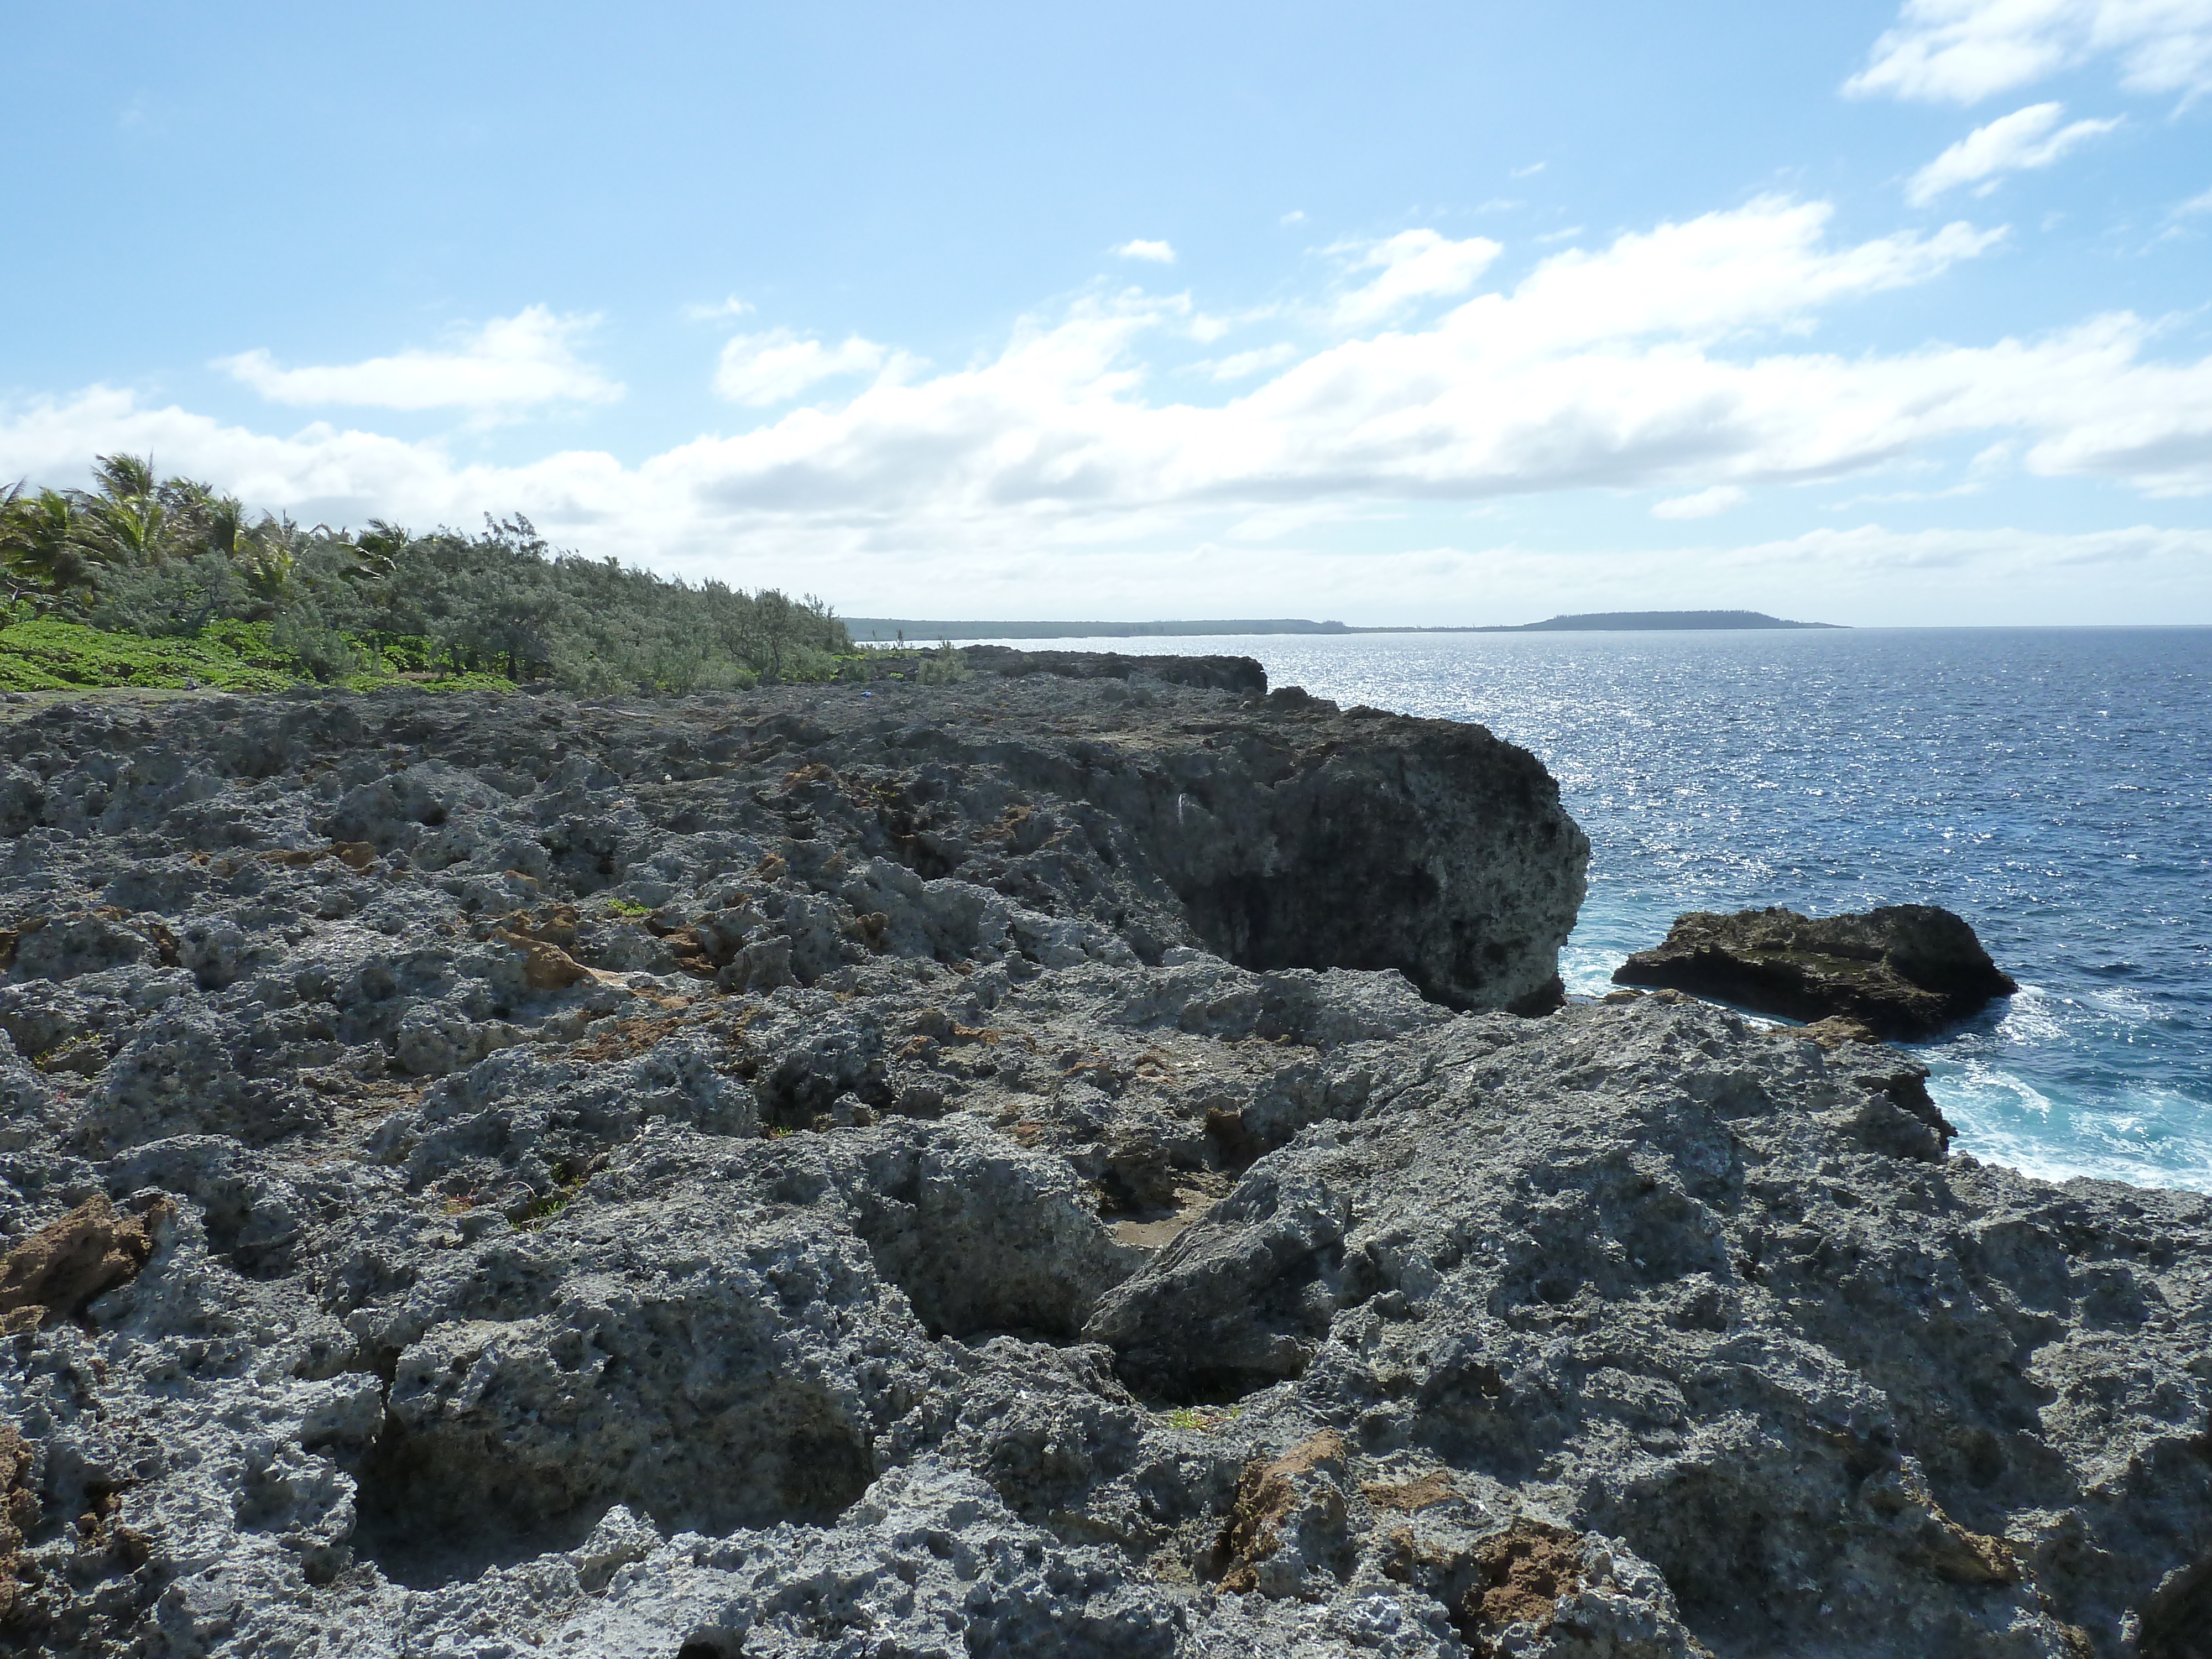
(144, 580)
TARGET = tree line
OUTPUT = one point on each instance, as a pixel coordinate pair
(139, 554)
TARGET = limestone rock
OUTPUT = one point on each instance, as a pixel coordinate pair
(1032, 1166)
(1902, 971)
(1660, 1274)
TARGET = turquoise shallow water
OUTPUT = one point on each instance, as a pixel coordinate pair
(2053, 785)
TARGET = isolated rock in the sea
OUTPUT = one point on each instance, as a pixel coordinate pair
(796, 1173)
(1903, 971)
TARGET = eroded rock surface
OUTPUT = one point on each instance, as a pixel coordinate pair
(802, 1173)
(1903, 971)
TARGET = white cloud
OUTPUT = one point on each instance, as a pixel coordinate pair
(729, 306)
(1528, 172)
(774, 367)
(511, 364)
(2030, 137)
(1158, 252)
(2194, 205)
(1242, 365)
(1704, 504)
(1295, 216)
(1415, 265)
(1709, 278)
(1671, 360)
(1962, 51)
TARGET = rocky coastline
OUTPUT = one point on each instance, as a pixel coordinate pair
(1088, 1159)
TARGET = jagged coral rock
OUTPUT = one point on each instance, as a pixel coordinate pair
(989, 1148)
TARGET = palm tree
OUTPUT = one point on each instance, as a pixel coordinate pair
(121, 477)
(125, 520)
(377, 548)
(39, 543)
(263, 554)
(134, 530)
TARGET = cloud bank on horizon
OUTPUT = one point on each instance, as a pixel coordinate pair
(1348, 443)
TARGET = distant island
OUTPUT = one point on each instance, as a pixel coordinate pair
(1631, 622)
(887, 629)
(884, 629)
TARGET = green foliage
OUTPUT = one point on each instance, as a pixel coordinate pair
(168, 559)
(42, 653)
(942, 666)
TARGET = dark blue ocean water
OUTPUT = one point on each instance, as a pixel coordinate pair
(2053, 785)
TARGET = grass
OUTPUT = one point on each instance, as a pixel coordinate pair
(1191, 1417)
(44, 654)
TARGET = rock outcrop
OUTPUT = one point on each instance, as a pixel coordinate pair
(807, 1173)
(1904, 971)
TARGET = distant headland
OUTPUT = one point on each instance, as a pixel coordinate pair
(1631, 622)
(886, 629)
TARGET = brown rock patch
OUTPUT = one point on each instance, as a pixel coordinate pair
(548, 967)
(1411, 1497)
(66, 1263)
(19, 1514)
(1520, 1574)
(1837, 1030)
(1267, 1496)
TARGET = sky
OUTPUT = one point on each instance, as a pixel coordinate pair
(1868, 313)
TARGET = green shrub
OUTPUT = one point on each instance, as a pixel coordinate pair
(45, 654)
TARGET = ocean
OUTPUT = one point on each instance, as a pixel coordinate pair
(2052, 786)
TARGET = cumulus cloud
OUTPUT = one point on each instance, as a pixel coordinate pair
(1963, 50)
(2027, 138)
(1414, 265)
(1158, 252)
(1704, 504)
(774, 367)
(510, 364)
(1673, 360)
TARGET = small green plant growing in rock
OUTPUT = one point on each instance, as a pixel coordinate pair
(942, 666)
(543, 1210)
(1204, 1422)
(628, 907)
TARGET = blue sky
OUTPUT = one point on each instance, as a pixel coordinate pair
(1418, 313)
